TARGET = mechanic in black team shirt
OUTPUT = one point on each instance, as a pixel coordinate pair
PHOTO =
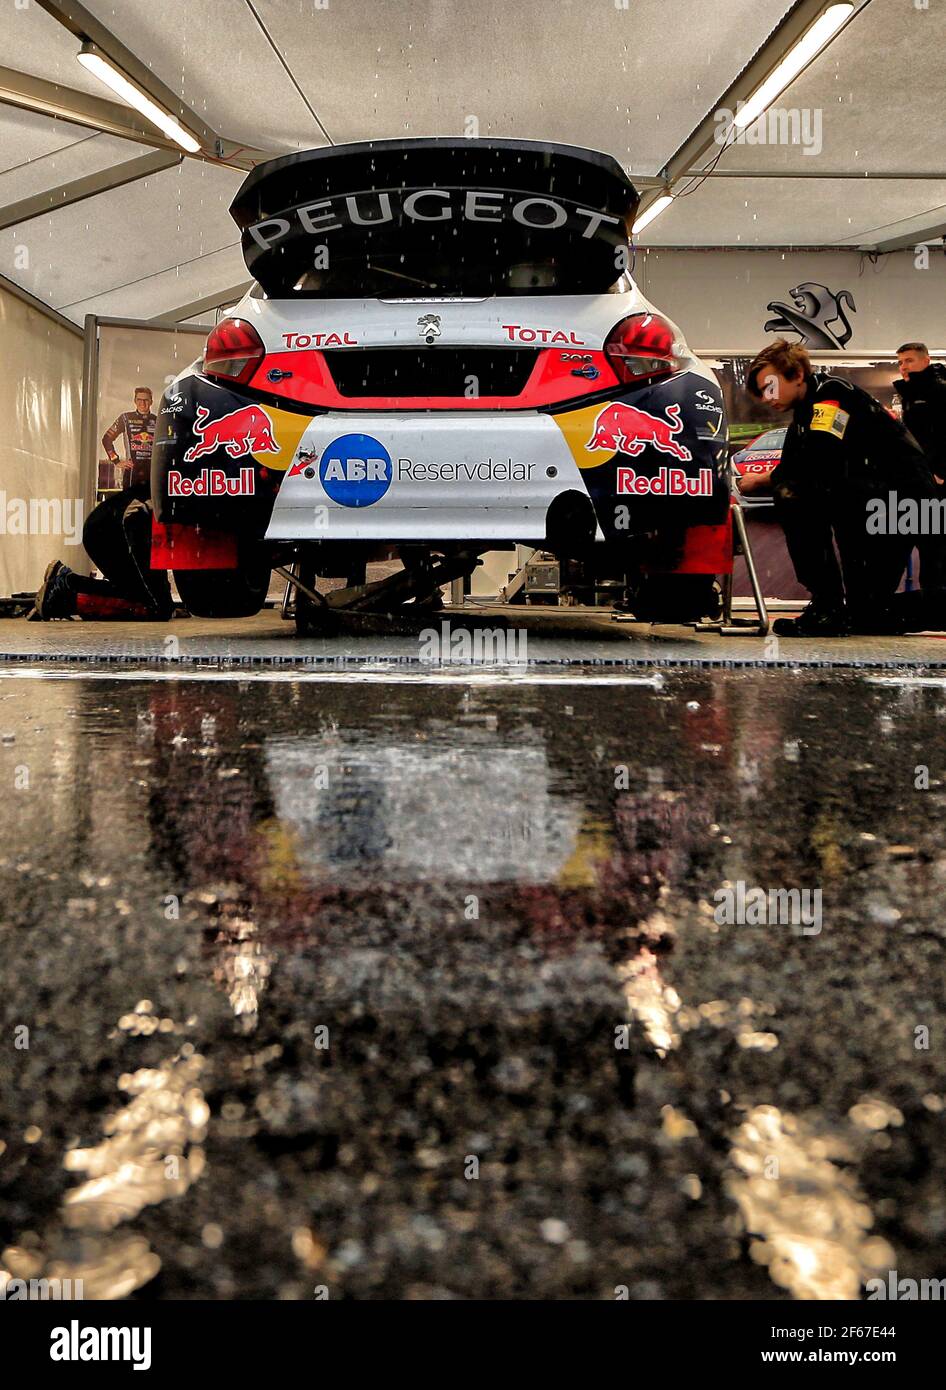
(921, 391)
(842, 450)
(117, 539)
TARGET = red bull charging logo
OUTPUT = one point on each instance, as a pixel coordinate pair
(625, 429)
(245, 431)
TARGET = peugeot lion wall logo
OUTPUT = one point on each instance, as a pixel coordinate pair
(815, 315)
(429, 325)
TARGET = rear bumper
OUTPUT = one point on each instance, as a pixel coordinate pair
(444, 476)
(651, 462)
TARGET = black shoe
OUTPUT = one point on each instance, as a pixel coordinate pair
(920, 610)
(933, 609)
(813, 622)
(888, 620)
(55, 597)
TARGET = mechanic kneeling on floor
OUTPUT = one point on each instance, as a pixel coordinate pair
(841, 450)
(117, 539)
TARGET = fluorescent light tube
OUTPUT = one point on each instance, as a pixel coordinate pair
(655, 209)
(106, 71)
(810, 43)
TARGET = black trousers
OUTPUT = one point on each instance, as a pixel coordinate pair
(821, 526)
(925, 609)
(117, 539)
(932, 550)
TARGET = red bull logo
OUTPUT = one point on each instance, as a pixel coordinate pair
(245, 431)
(625, 429)
(667, 482)
(212, 482)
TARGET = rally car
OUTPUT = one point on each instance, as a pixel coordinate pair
(443, 353)
(760, 455)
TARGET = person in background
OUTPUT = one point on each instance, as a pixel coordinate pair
(921, 392)
(841, 450)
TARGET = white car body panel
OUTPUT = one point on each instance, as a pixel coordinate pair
(484, 322)
(469, 449)
(417, 503)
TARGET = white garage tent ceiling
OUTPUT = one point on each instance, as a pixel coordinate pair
(269, 76)
(880, 85)
(580, 71)
(776, 212)
(38, 153)
(172, 227)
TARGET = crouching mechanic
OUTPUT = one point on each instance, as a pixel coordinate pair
(842, 450)
(117, 539)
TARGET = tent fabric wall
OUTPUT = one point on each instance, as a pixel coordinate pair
(720, 298)
(40, 389)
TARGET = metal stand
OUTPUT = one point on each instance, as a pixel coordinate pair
(728, 626)
(294, 582)
(287, 609)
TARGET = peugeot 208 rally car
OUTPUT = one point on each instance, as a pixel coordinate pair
(443, 353)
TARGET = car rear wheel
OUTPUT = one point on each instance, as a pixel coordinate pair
(570, 526)
(675, 598)
(223, 593)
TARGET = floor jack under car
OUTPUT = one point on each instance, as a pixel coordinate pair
(399, 600)
(411, 592)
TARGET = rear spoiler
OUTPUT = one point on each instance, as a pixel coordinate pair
(339, 194)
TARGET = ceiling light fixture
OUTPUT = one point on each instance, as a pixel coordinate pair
(121, 84)
(797, 58)
(655, 209)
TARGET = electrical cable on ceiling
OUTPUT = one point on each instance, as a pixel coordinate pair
(700, 178)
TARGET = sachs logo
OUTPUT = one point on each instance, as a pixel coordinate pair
(355, 470)
(245, 431)
(625, 429)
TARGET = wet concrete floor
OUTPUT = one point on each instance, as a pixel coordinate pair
(408, 990)
(546, 637)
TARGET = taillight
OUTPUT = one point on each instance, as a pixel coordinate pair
(642, 345)
(234, 350)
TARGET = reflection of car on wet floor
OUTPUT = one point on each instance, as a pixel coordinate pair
(759, 456)
(443, 353)
(367, 804)
(365, 821)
